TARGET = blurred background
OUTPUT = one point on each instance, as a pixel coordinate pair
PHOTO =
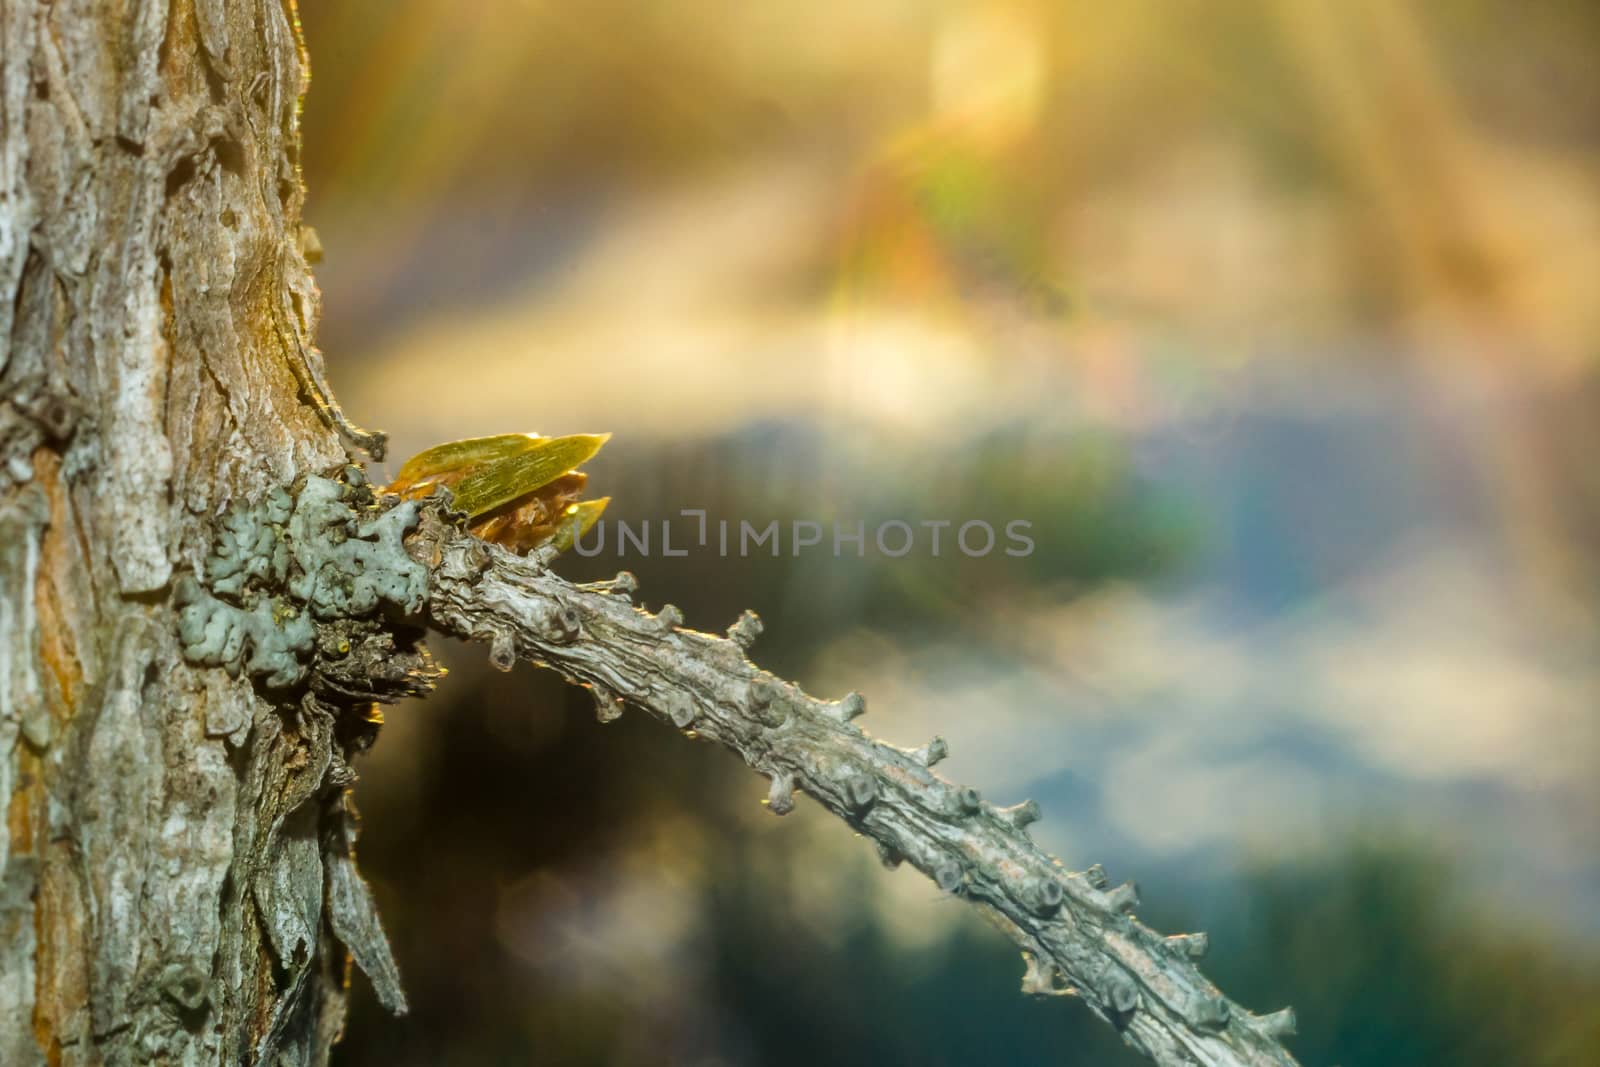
(1278, 319)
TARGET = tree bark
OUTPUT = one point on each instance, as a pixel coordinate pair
(170, 834)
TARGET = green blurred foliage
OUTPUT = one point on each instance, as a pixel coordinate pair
(1387, 965)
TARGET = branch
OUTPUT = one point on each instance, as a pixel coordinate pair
(1076, 932)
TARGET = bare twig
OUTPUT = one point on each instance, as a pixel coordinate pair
(1076, 931)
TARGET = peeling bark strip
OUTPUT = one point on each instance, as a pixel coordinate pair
(1076, 930)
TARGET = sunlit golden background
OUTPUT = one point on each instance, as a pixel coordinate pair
(1277, 318)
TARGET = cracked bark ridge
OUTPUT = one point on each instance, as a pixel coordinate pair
(1077, 932)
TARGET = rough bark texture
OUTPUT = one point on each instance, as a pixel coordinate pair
(172, 839)
(200, 602)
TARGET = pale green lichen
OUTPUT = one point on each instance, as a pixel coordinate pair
(250, 547)
(281, 564)
(341, 566)
(269, 640)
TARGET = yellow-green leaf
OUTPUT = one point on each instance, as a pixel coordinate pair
(503, 481)
(578, 520)
(465, 455)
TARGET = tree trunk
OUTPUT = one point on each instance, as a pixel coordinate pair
(170, 835)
